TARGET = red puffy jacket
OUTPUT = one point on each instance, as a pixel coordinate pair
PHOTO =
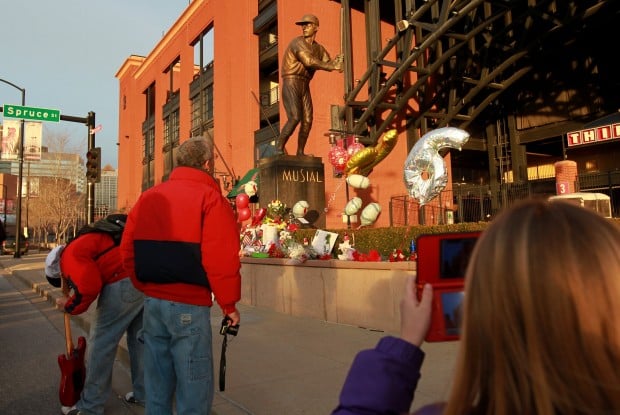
(181, 242)
(88, 263)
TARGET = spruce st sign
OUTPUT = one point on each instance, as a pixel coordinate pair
(31, 113)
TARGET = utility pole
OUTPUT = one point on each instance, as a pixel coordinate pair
(90, 208)
(18, 217)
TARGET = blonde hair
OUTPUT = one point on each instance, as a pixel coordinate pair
(541, 332)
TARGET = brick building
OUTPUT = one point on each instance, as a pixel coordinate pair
(410, 65)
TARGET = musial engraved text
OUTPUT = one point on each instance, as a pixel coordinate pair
(301, 176)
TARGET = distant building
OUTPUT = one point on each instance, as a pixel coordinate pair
(106, 192)
(64, 165)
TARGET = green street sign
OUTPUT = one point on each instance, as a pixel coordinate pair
(31, 113)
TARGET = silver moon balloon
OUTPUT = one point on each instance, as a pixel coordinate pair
(426, 174)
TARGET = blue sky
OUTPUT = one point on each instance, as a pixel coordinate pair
(65, 53)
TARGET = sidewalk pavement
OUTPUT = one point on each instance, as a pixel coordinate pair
(278, 364)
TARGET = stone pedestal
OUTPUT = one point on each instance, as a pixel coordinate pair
(291, 179)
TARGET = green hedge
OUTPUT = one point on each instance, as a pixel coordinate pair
(385, 240)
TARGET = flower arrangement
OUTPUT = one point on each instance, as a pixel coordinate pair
(397, 256)
(272, 235)
(276, 210)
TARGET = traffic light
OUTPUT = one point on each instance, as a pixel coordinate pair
(93, 165)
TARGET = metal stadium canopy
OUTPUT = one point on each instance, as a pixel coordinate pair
(475, 61)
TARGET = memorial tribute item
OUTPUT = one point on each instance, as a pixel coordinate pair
(425, 172)
(301, 59)
(363, 161)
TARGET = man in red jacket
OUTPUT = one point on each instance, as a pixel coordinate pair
(92, 268)
(181, 244)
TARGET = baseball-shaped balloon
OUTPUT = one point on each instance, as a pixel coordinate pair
(358, 181)
(425, 172)
(370, 213)
(353, 206)
(251, 188)
(300, 209)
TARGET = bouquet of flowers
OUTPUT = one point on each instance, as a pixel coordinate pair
(273, 236)
(276, 210)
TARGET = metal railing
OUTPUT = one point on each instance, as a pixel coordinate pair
(477, 203)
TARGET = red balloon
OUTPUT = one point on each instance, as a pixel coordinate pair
(258, 216)
(338, 157)
(242, 201)
(243, 214)
(354, 148)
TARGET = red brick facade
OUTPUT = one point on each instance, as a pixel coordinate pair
(236, 113)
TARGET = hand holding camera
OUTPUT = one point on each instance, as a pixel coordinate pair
(228, 327)
(415, 314)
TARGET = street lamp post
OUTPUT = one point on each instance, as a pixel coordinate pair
(18, 217)
(28, 199)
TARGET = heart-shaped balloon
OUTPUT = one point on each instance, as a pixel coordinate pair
(258, 216)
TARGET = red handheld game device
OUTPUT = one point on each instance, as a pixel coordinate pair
(442, 261)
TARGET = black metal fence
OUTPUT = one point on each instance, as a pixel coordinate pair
(473, 203)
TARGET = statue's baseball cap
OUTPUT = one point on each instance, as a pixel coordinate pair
(308, 18)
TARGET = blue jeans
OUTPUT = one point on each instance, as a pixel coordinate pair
(178, 359)
(119, 310)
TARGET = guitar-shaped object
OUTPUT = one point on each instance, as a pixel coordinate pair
(72, 368)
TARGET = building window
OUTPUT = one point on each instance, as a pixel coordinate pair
(203, 49)
(148, 162)
(265, 148)
(150, 101)
(171, 141)
(171, 116)
(591, 165)
(148, 139)
(149, 144)
(201, 95)
(207, 96)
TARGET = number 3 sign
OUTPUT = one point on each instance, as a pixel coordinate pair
(561, 188)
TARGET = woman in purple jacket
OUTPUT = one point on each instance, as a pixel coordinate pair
(541, 326)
